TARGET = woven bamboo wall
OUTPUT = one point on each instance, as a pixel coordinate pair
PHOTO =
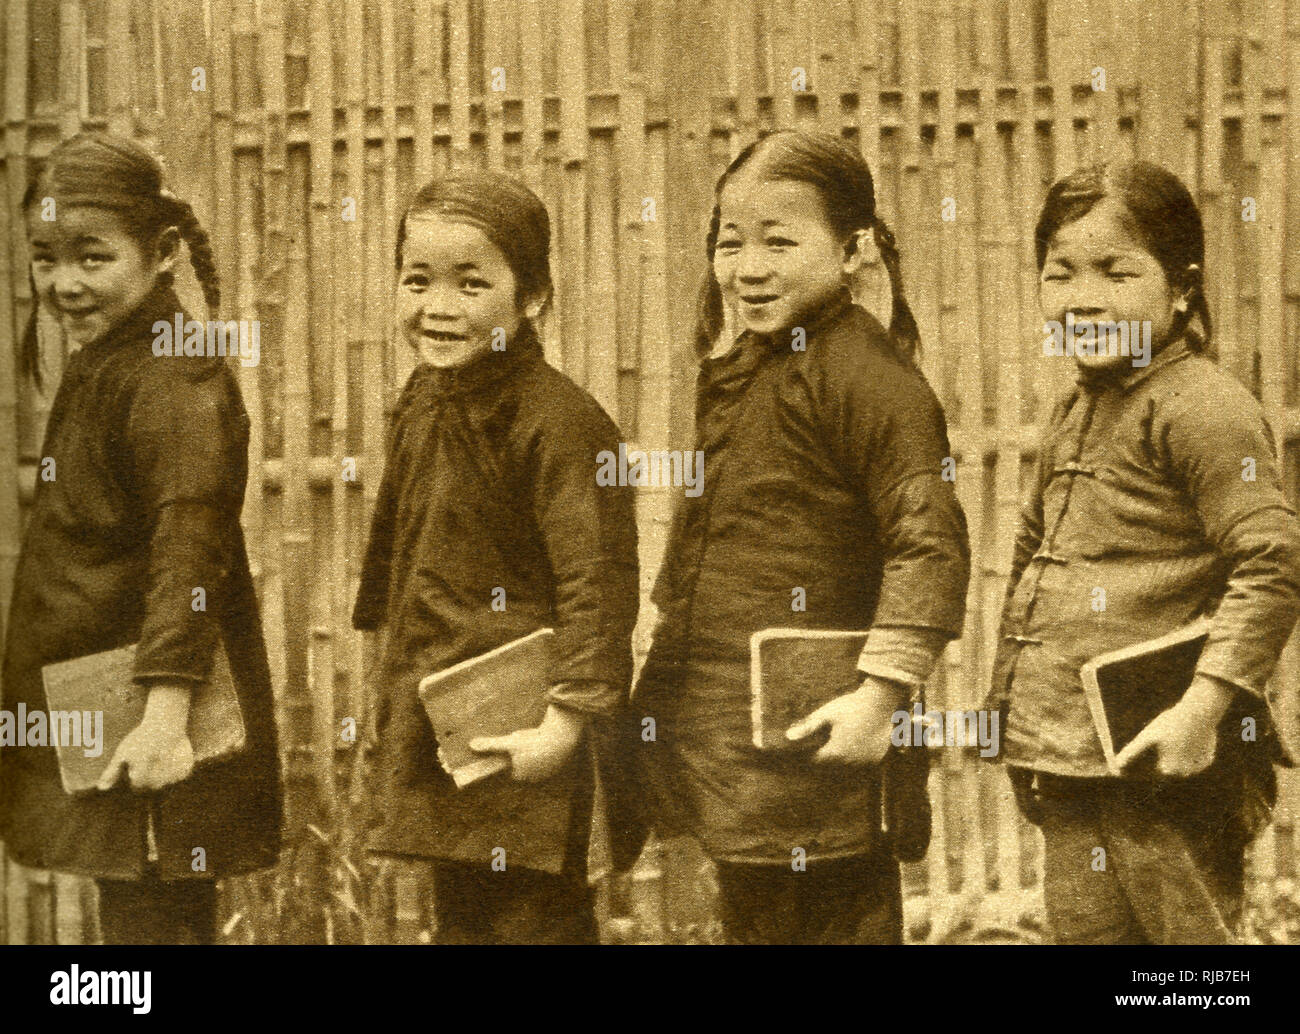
(607, 103)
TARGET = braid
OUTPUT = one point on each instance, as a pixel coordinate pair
(201, 258)
(903, 332)
(1201, 307)
(709, 316)
(1199, 339)
(29, 350)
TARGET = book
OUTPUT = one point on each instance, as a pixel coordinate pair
(103, 684)
(494, 694)
(1127, 688)
(792, 672)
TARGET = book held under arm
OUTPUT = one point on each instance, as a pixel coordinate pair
(1126, 689)
(104, 683)
(793, 671)
(494, 694)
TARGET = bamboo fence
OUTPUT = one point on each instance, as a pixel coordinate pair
(605, 107)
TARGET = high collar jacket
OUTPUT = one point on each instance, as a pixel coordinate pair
(1157, 500)
(147, 460)
(825, 506)
(490, 524)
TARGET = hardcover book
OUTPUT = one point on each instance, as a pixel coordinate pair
(793, 671)
(102, 683)
(494, 694)
(1127, 688)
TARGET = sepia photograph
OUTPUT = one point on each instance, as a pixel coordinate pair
(649, 473)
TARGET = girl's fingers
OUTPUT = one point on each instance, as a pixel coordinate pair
(492, 744)
(806, 727)
(113, 772)
(1139, 745)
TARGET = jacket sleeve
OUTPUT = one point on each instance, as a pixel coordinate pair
(1223, 455)
(369, 612)
(589, 534)
(890, 436)
(187, 440)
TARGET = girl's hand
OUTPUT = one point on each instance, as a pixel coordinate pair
(860, 723)
(537, 754)
(1186, 735)
(157, 753)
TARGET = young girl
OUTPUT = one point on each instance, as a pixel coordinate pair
(824, 506)
(146, 461)
(489, 525)
(1157, 484)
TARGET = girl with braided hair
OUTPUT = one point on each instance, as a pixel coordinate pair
(147, 464)
(824, 507)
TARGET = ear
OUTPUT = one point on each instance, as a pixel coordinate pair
(536, 303)
(1186, 286)
(167, 249)
(859, 247)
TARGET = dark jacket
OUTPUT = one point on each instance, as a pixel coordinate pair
(490, 484)
(1143, 490)
(823, 471)
(150, 463)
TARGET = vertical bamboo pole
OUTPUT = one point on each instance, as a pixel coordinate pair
(330, 355)
(494, 99)
(426, 55)
(238, 14)
(969, 229)
(116, 64)
(1004, 334)
(1249, 184)
(825, 71)
(71, 54)
(601, 309)
(867, 18)
(743, 74)
(459, 82)
(572, 253)
(629, 240)
(221, 113)
(783, 58)
(1104, 104)
(1215, 207)
(13, 287)
(530, 60)
(1059, 73)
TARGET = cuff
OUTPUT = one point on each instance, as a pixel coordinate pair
(902, 654)
(587, 696)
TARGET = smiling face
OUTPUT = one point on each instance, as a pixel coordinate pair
(777, 259)
(89, 271)
(1099, 270)
(454, 289)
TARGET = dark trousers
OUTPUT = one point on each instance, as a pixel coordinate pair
(1132, 863)
(475, 905)
(151, 911)
(855, 900)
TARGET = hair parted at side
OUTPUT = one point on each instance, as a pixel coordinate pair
(1161, 210)
(841, 177)
(103, 170)
(510, 215)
